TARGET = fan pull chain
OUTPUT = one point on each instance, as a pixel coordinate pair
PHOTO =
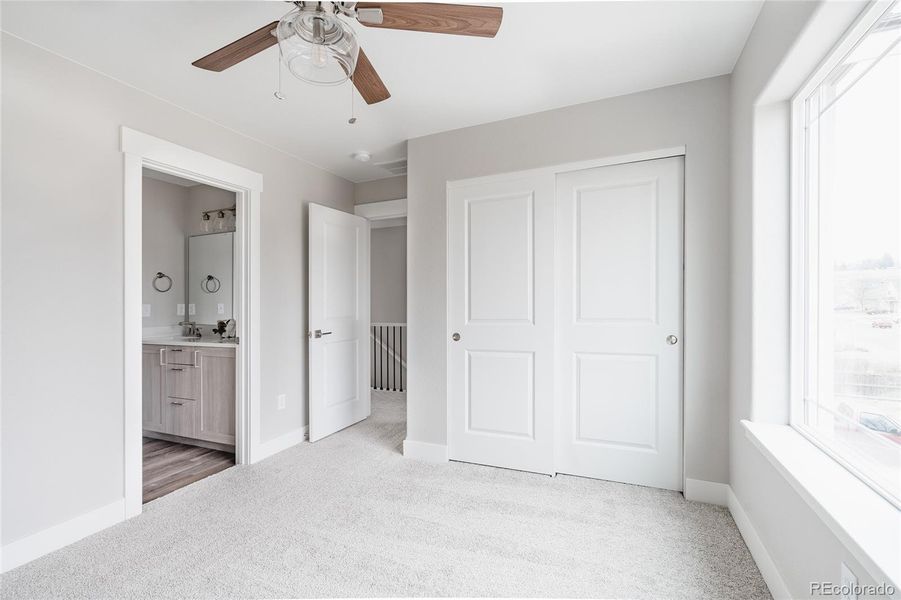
(352, 119)
(278, 93)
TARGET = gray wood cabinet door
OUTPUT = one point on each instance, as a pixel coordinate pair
(181, 417)
(152, 389)
(217, 395)
(190, 401)
(182, 381)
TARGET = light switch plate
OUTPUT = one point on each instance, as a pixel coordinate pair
(180, 310)
(192, 310)
(849, 583)
(145, 310)
(282, 401)
(220, 309)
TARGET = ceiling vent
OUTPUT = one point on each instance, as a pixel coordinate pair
(395, 167)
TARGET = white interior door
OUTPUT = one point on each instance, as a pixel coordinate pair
(619, 323)
(500, 380)
(338, 320)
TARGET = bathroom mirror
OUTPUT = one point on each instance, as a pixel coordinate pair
(210, 285)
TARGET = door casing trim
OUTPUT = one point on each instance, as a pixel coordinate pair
(141, 150)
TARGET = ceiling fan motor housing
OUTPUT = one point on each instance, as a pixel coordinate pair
(316, 45)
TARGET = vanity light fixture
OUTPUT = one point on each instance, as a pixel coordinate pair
(225, 219)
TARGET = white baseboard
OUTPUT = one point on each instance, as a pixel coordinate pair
(282, 442)
(774, 581)
(424, 451)
(53, 538)
(710, 492)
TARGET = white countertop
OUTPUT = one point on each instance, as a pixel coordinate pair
(201, 342)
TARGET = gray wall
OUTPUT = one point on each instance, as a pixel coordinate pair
(62, 265)
(695, 115)
(388, 276)
(390, 188)
(171, 213)
(774, 64)
(389, 253)
(163, 241)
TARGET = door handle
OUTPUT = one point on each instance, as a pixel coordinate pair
(672, 340)
(456, 337)
(319, 333)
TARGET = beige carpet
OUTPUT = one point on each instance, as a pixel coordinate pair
(349, 516)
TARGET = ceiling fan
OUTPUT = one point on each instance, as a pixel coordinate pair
(318, 46)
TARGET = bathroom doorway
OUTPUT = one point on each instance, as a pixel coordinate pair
(191, 321)
(189, 340)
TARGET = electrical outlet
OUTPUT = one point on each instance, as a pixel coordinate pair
(192, 309)
(849, 583)
(220, 309)
(145, 310)
(180, 310)
(282, 401)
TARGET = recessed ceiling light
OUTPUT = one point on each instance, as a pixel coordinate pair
(362, 156)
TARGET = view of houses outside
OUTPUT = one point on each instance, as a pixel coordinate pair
(866, 376)
(853, 390)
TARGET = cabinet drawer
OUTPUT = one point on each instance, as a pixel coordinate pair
(182, 382)
(180, 356)
(180, 417)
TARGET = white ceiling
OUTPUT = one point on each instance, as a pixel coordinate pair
(544, 56)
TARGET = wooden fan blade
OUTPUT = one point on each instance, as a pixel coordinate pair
(368, 82)
(239, 50)
(457, 19)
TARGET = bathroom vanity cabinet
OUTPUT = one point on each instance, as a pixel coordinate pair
(189, 392)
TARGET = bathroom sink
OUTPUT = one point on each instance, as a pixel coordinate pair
(205, 340)
(188, 339)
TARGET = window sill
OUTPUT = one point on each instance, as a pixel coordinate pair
(863, 521)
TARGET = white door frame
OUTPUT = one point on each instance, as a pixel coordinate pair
(553, 171)
(387, 213)
(141, 150)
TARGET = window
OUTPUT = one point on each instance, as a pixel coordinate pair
(847, 268)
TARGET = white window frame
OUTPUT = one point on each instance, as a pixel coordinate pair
(801, 242)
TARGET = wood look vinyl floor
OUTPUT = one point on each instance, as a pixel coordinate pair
(169, 466)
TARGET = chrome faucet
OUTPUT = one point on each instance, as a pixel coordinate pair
(189, 329)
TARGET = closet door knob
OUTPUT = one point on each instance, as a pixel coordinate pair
(456, 337)
(672, 340)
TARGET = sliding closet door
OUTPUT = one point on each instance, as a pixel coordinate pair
(501, 337)
(619, 323)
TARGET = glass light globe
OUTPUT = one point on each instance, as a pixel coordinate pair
(220, 221)
(317, 46)
(206, 223)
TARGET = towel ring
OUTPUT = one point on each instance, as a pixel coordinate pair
(156, 280)
(210, 285)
